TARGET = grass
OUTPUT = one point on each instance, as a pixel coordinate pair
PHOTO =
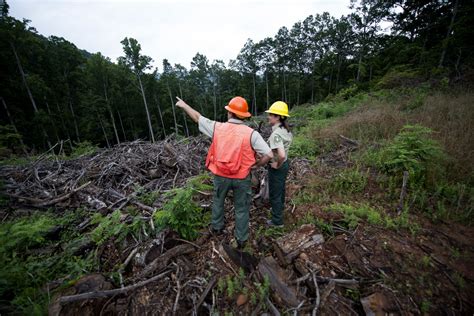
(424, 131)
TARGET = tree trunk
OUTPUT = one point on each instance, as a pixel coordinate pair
(103, 130)
(298, 90)
(184, 115)
(109, 108)
(338, 71)
(74, 119)
(64, 127)
(161, 115)
(359, 68)
(446, 40)
(51, 118)
(266, 83)
(214, 100)
(146, 109)
(330, 79)
(172, 107)
(121, 125)
(30, 95)
(254, 97)
(23, 147)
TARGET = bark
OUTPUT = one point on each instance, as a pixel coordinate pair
(266, 83)
(450, 29)
(254, 97)
(121, 125)
(172, 107)
(109, 108)
(359, 68)
(14, 126)
(30, 95)
(338, 72)
(161, 115)
(184, 115)
(146, 109)
(74, 119)
(103, 130)
(64, 127)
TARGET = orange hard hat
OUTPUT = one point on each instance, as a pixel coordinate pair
(238, 106)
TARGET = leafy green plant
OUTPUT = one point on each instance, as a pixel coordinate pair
(83, 148)
(23, 272)
(414, 151)
(110, 226)
(350, 181)
(180, 212)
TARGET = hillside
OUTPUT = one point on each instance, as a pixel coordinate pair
(130, 223)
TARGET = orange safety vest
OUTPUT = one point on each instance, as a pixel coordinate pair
(231, 154)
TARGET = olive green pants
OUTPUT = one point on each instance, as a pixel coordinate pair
(242, 198)
(276, 186)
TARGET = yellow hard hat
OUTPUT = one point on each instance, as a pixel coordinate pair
(279, 108)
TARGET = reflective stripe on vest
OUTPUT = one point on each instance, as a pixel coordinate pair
(231, 154)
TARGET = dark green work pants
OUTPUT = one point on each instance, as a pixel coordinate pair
(276, 185)
(242, 198)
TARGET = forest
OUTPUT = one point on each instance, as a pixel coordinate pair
(53, 91)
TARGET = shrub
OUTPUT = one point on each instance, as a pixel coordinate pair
(181, 213)
(414, 151)
(349, 181)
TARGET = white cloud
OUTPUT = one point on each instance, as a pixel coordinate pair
(172, 29)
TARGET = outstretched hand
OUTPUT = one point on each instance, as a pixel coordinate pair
(180, 104)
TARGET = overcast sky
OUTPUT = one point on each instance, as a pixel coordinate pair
(172, 29)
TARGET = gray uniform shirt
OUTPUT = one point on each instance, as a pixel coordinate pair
(206, 126)
(280, 138)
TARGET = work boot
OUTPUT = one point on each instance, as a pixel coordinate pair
(241, 244)
(271, 224)
(216, 232)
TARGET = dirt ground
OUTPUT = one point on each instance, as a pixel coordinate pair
(396, 272)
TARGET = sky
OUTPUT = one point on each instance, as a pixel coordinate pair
(171, 29)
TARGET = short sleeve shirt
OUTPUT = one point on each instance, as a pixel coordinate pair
(206, 126)
(280, 138)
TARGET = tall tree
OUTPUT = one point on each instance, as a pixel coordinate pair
(138, 63)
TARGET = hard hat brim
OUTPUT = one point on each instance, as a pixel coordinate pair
(277, 113)
(243, 114)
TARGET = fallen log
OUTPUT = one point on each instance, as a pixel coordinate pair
(269, 268)
(101, 294)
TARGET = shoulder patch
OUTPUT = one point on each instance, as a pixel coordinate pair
(277, 139)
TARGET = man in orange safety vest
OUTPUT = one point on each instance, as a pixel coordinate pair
(230, 158)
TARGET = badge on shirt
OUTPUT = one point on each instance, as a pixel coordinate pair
(277, 139)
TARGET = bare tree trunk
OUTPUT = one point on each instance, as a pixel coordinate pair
(172, 107)
(359, 67)
(64, 127)
(214, 100)
(266, 83)
(338, 71)
(284, 86)
(30, 95)
(121, 125)
(74, 118)
(254, 97)
(50, 117)
(161, 115)
(184, 115)
(109, 108)
(298, 90)
(330, 79)
(23, 147)
(103, 130)
(446, 40)
(146, 109)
